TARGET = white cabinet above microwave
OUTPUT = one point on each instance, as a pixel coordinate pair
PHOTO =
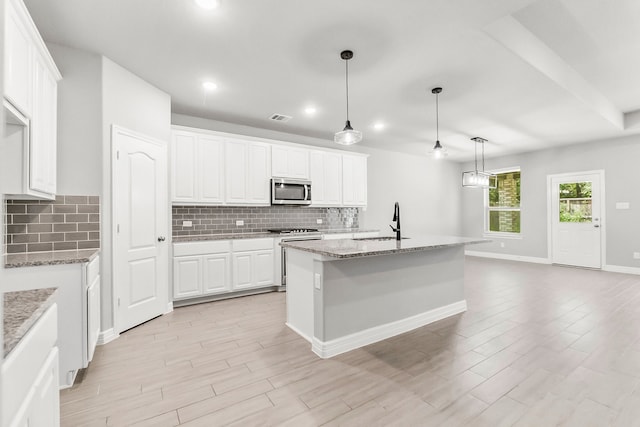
(289, 162)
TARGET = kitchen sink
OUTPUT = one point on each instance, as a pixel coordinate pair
(379, 239)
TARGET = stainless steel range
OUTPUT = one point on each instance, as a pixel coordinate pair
(287, 235)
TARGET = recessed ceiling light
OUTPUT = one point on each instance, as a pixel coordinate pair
(310, 110)
(208, 4)
(378, 126)
(209, 86)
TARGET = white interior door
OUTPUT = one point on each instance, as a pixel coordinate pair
(141, 225)
(576, 223)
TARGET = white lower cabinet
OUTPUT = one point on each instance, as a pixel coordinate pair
(253, 269)
(30, 390)
(215, 277)
(222, 266)
(201, 268)
(78, 300)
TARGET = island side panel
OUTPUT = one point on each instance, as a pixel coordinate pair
(360, 294)
(300, 273)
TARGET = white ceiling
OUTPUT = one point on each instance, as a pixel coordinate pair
(523, 74)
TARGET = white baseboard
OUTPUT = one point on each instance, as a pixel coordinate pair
(621, 269)
(507, 257)
(326, 349)
(299, 332)
(105, 337)
(169, 307)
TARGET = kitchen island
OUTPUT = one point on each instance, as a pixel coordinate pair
(345, 294)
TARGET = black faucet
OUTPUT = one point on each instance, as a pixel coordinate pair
(396, 218)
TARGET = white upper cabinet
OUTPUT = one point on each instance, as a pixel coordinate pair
(43, 146)
(30, 102)
(354, 180)
(197, 168)
(18, 68)
(184, 155)
(248, 171)
(289, 162)
(326, 178)
(211, 168)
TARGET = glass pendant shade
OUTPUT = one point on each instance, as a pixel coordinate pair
(438, 151)
(479, 178)
(348, 136)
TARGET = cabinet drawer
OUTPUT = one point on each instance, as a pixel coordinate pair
(242, 245)
(201, 248)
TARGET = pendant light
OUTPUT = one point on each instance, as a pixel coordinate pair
(479, 178)
(348, 136)
(438, 151)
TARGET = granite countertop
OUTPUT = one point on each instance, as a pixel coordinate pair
(21, 311)
(352, 248)
(50, 258)
(348, 230)
(257, 235)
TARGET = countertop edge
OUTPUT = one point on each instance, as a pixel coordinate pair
(59, 261)
(256, 235)
(11, 340)
(372, 253)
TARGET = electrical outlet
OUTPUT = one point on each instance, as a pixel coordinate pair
(187, 224)
(317, 280)
(239, 223)
(319, 221)
(502, 244)
(636, 255)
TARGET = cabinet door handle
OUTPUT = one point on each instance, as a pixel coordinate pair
(596, 226)
(161, 239)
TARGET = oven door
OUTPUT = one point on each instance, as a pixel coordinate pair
(290, 192)
(283, 255)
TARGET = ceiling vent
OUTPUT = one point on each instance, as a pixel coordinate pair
(280, 118)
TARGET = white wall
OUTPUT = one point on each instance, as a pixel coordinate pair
(617, 157)
(129, 102)
(427, 190)
(79, 121)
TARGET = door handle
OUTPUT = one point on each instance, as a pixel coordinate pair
(161, 239)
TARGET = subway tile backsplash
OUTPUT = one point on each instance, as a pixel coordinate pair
(68, 223)
(222, 220)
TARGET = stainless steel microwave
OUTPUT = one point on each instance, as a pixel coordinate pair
(286, 191)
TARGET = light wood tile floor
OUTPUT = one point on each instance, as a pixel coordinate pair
(539, 346)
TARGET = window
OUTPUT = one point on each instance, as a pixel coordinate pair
(575, 202)
(502, 204)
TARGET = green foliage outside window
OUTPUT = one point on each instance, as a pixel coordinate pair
(504, 204)
(575, 202)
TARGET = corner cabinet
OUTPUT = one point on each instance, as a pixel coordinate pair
(201, 268)
(207, 268)
(30, 103)
(197, 168)
(354, 180)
